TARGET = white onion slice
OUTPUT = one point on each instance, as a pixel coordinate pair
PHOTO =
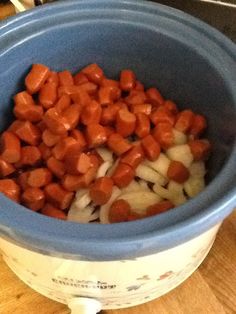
(105, 153)
(143, 184)
(179, 137)
(139, 201)
(162, 192)
(132, 187)
(82, 201)
(82, 215)
(177, 196)
(181, 153)
(160, 165)
(194, 185)
(102, 170)
(148, 174)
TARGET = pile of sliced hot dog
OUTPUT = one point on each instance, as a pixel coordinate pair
(51, 150)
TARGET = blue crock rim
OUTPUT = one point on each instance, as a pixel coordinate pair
(132, 239)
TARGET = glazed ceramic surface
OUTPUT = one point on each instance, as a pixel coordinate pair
(189, 62)
(115, 284)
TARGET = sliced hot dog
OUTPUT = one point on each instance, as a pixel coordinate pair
(151, 147)
(58, 196)
(55, 122)
(91, 114)
(142, 128)
(53, 78)
(95, 135)
(93, 72)
(22, 180)
(184, 121)
(162, 115)
(142, 108)
(65, 147)
(63, 103)
(6, 168)
(136, 97)
(65, 78)
(57, 167)
(119, 211)
(10, 189)
(72, 115)
(159, 208)
(24, 98)
(73, 182)
(27, 132)
(101, 190)
(79, 137)
(77, 163)
(127, 80)
(30, 156)
(45, 151)
(109, 130)
(139, 86)
(163, 134)
(50, 139)
(154, 94)
(198, 126)
(51, 211)
(118, 144)
(39, 177)
(80, 78)
(89, 87)
(48, 95)
(200, 149)
(177, 172)
(33, 198)
(133, 157)
(171, 106)
(123, 175)
(26, 111)
(10, 147)
(125, 122)
(36, 78)
(109, 113)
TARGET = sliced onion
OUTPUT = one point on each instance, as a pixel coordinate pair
(177, 196)
(82, 215)
(197, 169)
(105, 153)
(179, 137)
(194, 185)
(143, 184)
(161, 192)
(102, 170)
(181, 153)
(132, 187)
(148, 174)
(139, 201)
(175, 188)
(82, 201)
(160, 165)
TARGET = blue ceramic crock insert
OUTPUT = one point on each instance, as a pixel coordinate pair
(188, 60)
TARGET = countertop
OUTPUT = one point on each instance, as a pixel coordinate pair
(211, 289)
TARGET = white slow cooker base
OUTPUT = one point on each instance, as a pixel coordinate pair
(115, 284)
(8, 262)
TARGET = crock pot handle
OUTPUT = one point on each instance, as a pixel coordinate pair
(84, 306)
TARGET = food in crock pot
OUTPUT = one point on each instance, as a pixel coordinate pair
(87, 148)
